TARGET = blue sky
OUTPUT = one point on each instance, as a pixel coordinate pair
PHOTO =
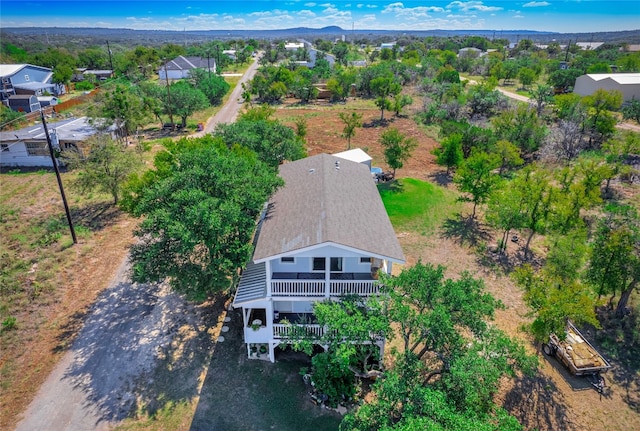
(563, 16)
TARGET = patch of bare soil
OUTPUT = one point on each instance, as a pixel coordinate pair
(93, 265)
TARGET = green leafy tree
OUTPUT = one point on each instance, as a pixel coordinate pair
(483, 99)
(185, 100)
(542, 95)
(614, 267)
(105, 167)
(600, 122)
(505, 211)
(121, 108)
(520, 126)
(271, 140)
(9, 117)
(62, 74)
(199, 215)
(450, 152)
(526, 77)
(213, 86)
(631, 110)
(351, 122)
(383, 88)
(616, 151)
(563, 80)
(397, 148)
(475, 176)
(399, 102)
(508, 154)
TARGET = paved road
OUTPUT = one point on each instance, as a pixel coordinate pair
(126, 334)
(229, 111)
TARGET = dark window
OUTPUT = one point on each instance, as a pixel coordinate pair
(4, 147)
(336, 264)
(365, 260)
(319, 263)
(37, 148)
(287, 260)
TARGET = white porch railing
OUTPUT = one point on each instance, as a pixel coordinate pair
(284, 331)
(297, 288)
(307, 288)
(354, 287)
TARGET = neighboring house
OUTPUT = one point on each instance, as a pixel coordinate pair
(27, 79)
(388, 45)
(101, 75)
(589, 45)
(181, 67)
(28, 147)
(48, 100)
(627, 83)
(470, 52)
(231, 53)
(313, 56)
(293, 46)
(325, 233)
(356, 155)
(23, 103)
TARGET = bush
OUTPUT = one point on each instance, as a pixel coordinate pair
(332, 379)
(84, 86)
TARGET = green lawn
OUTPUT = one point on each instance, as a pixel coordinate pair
(415, 205)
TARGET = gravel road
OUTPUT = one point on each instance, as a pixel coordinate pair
(127, 333)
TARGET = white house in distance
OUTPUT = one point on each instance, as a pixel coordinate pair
(28, 147)
(325, 233)
(181, 66)
(627, 83)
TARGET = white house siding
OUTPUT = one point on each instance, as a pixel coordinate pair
(14, 154)
(627, 83)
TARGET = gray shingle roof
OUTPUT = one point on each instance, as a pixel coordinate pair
(188, 63)
(253, 284)
(326, 199)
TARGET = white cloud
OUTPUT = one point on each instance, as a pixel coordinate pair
(372, 6)
(309, 4)
(472, 5)
(536, 4)
(306, 13)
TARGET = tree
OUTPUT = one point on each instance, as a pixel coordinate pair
(504, 212)
(600, 122)
(213, 86)
(615, 259)
(450, 152)
(106, 166)
(526, 77)
(350, 123)
(508, 154)
(271, 140)
(384, 87)
(399, 102)
(199, 215)
(631, 110)
(483, 99)
(185, 100)
(563, 80)
(397, 148)
(616, 151)
(476, 177)
(542, 95)
(62, 74)
(121, 108)
(521, 126)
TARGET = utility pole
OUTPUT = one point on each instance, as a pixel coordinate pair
(166, 77)
(208, 64)
(57, 171)
(110, 58)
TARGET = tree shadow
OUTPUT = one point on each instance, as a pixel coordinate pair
(442, 178)
(538, 404)
(377, 122)
(142, 347)
(618, 340)
(465, 230)
(96, 216)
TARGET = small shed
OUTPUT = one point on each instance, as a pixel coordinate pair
(356, 155)
(47, 100)
(24, 103)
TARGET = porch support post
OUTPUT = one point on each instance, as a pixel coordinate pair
(267, 267)
(327, 279)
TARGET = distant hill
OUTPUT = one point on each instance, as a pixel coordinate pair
(88, 36)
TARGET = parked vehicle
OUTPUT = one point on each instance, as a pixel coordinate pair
(578, 355)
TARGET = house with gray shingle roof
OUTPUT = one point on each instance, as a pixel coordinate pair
(324, 234)
(181, 67)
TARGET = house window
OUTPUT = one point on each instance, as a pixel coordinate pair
(4, 147)
(26, 77)
(319, 263)
(365, 260)
(37, 148)
(287, 260)
(336, 264)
